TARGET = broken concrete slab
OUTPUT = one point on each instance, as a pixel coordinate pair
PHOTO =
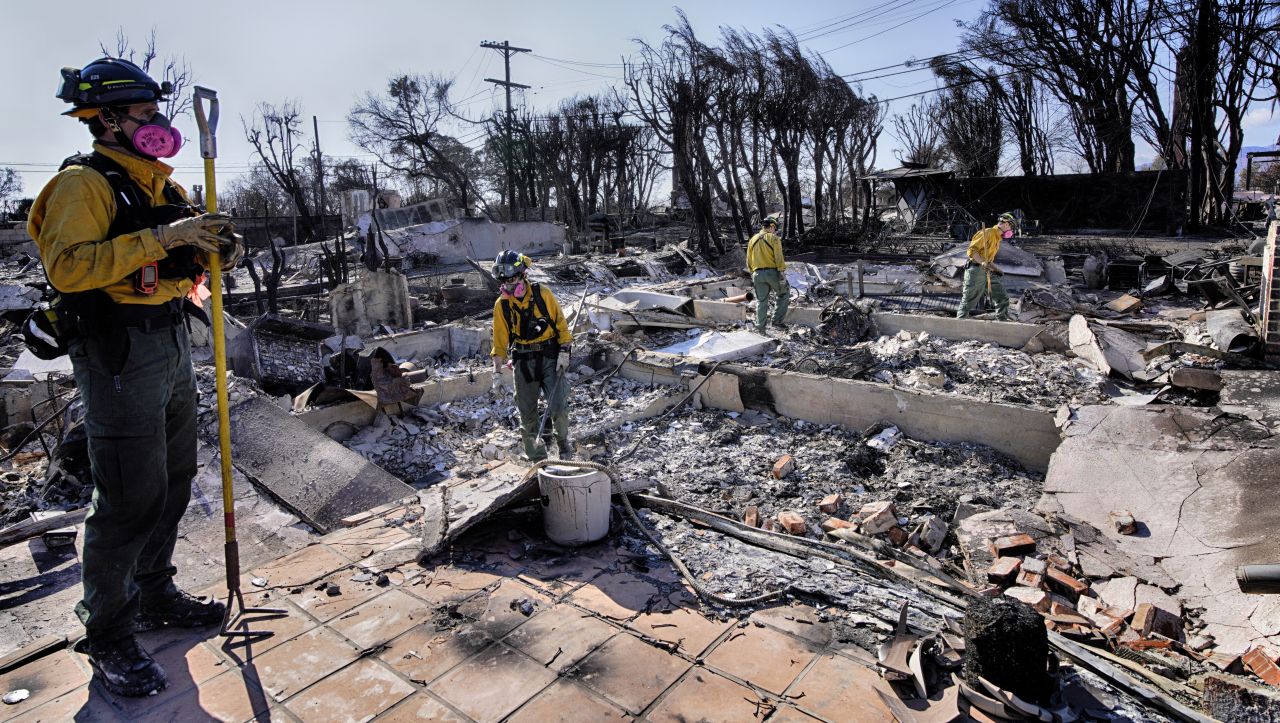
(1107, 349)
(317, 478)
(1204, 483)
(1254, 393)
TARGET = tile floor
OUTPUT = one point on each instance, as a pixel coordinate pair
(580, 636)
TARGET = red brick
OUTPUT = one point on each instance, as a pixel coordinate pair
(835, 523)
(751, 516)
(898, 536)
(1059, 562)
(792, 522)
(1065, 582)
(1014, 545)
(1004, 570)
(1148, 619)
(829, 504)
(1029, 579)
(1261, 663)
(784, 466)
(877, 517)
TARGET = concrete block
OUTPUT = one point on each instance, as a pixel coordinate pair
(1031, 597)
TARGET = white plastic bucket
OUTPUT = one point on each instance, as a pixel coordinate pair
(575, 504)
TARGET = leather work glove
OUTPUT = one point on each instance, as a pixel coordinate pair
(200, 231)
(562, 361)
(230, 249)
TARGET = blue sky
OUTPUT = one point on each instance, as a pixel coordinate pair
(324, 53)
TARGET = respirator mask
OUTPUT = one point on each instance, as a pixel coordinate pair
(155, 137)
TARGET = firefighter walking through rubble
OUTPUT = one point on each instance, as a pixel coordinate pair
(980, 274)
(123, 247)
(767, 267)
(528, 326)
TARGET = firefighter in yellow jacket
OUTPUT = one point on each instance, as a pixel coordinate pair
(529, 328)
(767, 267)
(123, 248)
(980, 274)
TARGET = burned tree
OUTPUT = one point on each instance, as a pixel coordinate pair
(275, 136)
(920, 134)
(670, 88)
(174, 69)
(402, 128)
(969, 117)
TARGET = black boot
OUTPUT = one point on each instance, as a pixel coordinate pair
(124, 667)
(566, 448)
(180, 611)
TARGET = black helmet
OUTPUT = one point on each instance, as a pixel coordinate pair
(109, 82)
(509, 265)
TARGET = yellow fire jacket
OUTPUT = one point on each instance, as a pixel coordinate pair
(502, 330)
(69, 222)
(985, 245)
(764, 251)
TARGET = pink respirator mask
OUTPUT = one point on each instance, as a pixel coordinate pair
(515, 290)
(1008, 233)
(156, 138)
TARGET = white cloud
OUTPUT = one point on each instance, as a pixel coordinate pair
(1258, 117)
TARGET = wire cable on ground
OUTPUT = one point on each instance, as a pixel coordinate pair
(689, 577)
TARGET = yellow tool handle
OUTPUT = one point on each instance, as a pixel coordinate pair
(207, 122)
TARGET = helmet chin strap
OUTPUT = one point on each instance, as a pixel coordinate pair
(122, 141)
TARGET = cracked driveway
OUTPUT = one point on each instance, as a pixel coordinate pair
(1202, 486)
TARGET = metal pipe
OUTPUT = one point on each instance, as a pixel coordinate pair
(1259, 579)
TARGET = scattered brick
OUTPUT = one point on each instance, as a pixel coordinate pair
(898, 536)
(1027, 578)
(835, 523)
(751, 516)
(1004, 570)
(1064, 582)
(1014, 545)
(792, 522)
(878, 517)
(1031, 597)
(830, 504)
(784, 466)
(1059, 562)
(931, 533)
(1098, 615)
(1123, 522)
(769, 524)
(1148, 619)
(1261, 663)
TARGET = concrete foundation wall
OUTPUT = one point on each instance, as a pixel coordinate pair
(454, 341)
(1026, 434)
(1002, 333)
(434, 391)
(480, 240)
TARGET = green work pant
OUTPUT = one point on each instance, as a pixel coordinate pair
(975, 285)
(535, 374)
(139, 395)
(770, 281)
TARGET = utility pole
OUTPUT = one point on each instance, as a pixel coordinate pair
(507, 51)
(320, 195)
